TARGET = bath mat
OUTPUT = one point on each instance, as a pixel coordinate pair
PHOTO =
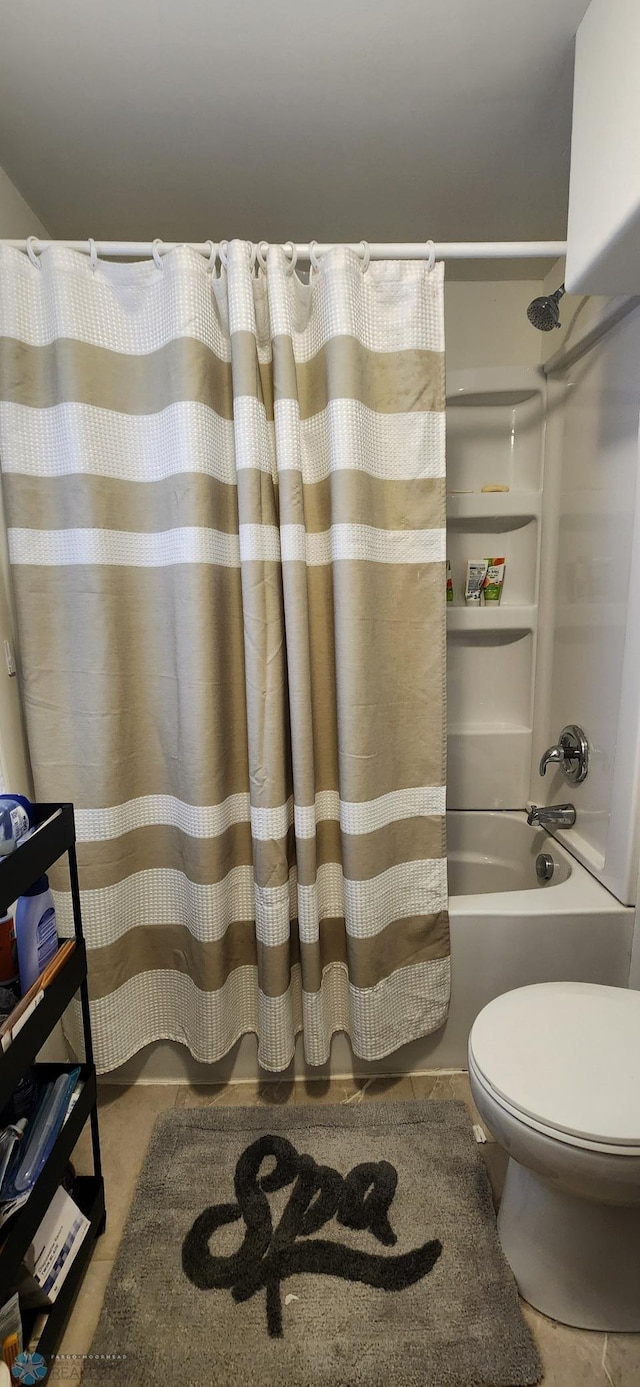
(338, 1246)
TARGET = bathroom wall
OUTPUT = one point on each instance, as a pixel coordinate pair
(16, 220)
(583, 318)
(495, 428)
(589, 642)
(486, 323)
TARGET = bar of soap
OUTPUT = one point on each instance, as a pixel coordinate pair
(498, 487)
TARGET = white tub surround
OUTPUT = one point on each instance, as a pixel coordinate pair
(495, 431)
(588, 662)
(508, 930)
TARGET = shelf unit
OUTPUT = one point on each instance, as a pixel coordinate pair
(492, 617)
(495, 435)
(54, 837)
(505, 509)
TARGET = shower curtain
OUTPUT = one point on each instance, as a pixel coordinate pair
(225, 504)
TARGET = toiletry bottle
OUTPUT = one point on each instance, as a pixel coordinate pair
(494, 580)
(449, 582)
(36, 932)
(16, 818)
(8, 953)
(476, 574)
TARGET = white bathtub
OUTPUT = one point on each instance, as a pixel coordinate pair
(506, 930)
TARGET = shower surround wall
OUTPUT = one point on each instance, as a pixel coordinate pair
(495, 434)
(589, 648)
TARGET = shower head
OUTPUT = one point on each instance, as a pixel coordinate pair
(544, 312)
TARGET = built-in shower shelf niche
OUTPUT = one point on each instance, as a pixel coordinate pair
(495, 428)
(485, 622)
(506, 510)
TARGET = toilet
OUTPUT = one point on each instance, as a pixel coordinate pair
(554, 1071)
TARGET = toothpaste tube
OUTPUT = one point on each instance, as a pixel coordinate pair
(494, 580)
(449, 583)
(476, 574)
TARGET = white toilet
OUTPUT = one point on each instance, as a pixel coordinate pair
(555, 1074)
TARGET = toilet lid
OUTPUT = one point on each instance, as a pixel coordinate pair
(567, 1055)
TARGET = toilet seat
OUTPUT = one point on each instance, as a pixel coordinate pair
(552, 1133)
(563, 1058)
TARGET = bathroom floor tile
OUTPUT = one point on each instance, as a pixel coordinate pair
(570, 1357)
(395, 1088)
(321, 1091)
(126, 1117)
(239, 1095)
(622, 1359)
(448, 1086)
(84, 1318)
(424, 1084)
(496, 1161)
(278, 1093)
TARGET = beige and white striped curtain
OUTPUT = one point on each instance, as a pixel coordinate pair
(225, 507)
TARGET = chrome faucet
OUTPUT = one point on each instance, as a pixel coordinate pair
(552, 816)
(571, 754)
(553, 756)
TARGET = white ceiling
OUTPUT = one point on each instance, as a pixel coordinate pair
(333, 120)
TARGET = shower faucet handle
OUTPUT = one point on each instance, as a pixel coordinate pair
(571, 754)
(553, 756)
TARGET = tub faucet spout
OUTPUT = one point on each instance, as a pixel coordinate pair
(551, 816)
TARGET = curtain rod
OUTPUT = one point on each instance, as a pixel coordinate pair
(390, 250)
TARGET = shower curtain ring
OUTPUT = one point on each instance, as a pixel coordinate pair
(432, 254)
(93, 254)
(261, 255)
(157, 258)
(313, 258)
(293, 251)
(33, 241)
(213, 251)
(252, 249)
(366, 256)
(224, 246)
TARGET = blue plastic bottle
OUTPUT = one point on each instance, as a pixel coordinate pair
(16, 818)
(36, 933)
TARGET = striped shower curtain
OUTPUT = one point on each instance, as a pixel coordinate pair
(225, 505)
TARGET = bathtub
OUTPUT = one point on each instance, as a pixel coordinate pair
(507, 930)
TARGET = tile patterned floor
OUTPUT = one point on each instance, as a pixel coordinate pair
(571, 1358)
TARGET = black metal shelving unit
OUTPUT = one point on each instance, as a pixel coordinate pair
(54, 837)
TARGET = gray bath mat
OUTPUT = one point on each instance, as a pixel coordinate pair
(349, 1246)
